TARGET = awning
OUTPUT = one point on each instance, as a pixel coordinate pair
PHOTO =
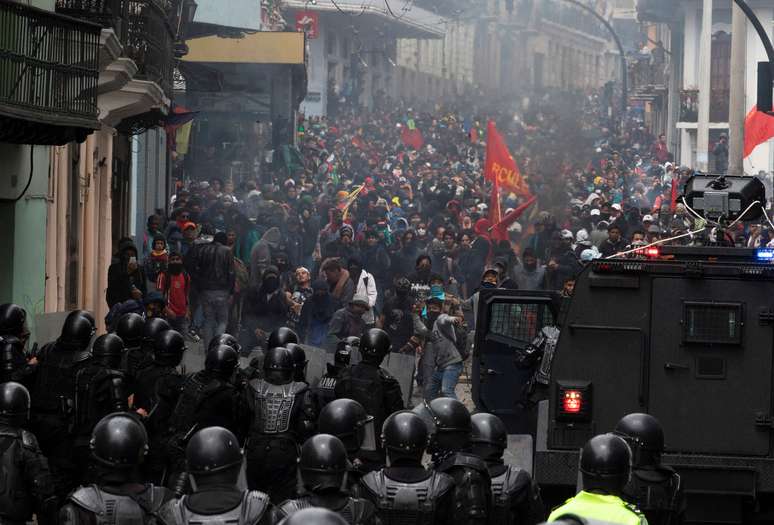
(264, 47)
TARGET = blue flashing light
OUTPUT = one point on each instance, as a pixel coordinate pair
(765, 254)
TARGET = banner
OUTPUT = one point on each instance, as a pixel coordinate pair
(500, 166)
(308, 22)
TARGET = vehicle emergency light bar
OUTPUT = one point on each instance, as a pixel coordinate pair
(765, 254)
(726, 197)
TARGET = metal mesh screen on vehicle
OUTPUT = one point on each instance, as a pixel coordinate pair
(713, 323)
(518, 321)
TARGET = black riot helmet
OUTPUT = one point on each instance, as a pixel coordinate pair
(488, 436)
(605, 464)
(374, 345)
(13, 320)
(347, 420)
(323, 463)
(299, 361)
(119, 441)
(448, 423)
(130, 328)
(344, 349)
(14, 404)
(86, 315)
(278, 366)
(225, 339)
(77, 332)
(153, 327)
(108, 349)
(281, 337)
(315, 516)
(405, 438)
(222, 361)
(168, 348)
(645, 437)
(213, 456)
(11, 356)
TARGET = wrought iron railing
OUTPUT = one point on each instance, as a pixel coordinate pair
(48, 66)
(150, 41)
(107, 13)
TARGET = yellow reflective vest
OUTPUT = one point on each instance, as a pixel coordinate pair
(602, 507)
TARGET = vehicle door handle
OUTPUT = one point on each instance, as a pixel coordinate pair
(675, 366)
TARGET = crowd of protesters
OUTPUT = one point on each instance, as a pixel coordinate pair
(383, 220)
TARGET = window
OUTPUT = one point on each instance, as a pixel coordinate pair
(519, 321)
(713, 323)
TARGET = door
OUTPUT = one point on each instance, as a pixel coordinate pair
(507, 321)
(711, 365)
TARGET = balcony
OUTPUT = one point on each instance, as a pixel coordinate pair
(106, 13)
(48, 76)
(659, 11)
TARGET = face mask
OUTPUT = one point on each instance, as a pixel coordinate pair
(421, 232)
(175, 268)
(436, 290)
(487, 284)
(270, 284)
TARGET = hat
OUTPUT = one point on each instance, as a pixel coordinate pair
(346, 230)
(617, 206)
(360, 300)
(567, 234)
(582, 237)
(589, 255)
(594, 213)
(647, 218)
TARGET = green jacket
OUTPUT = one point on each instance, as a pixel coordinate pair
(602, 507)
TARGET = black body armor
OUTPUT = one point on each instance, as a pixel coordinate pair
(472, 492)
(658, 494)
(416, 502)
(106, 508)
(355, 511)
(252, 510)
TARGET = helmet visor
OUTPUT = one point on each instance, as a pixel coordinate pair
(369, 435)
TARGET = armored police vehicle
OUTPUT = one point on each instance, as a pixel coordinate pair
(683, 333)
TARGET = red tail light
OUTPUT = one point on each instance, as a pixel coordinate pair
(573, 400)
(653, 251)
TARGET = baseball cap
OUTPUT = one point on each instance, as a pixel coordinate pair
(617, 206)
(567, 234)
(594, 212)
(647, 218)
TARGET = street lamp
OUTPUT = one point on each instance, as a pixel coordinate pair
(624, 67)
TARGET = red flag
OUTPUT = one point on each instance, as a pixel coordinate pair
(500, 165)
(500, 228)
(675, 184)
(758, 128)
(473, 135)
(412, 138)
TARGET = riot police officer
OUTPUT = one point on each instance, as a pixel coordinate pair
(654, 487)
(299, 362)
(225, 339)
(605, 466)
(131, 329)
(208, 398)
(214, 461)
(368, 383)
(27, 485)
(157, 389)
(322, 468)
(284, 416)
(325, 391)
(347, 420)
(516, 498)
(404, 491)
(448, 423)
(118, 446)
(100, 389)
(138, 357)
(53, 397)
(13, 321)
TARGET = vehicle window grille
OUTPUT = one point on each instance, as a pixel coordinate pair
(519, 321)
(709, 323)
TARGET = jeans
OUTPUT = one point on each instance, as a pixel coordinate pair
(444, 380)
(215, 308)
